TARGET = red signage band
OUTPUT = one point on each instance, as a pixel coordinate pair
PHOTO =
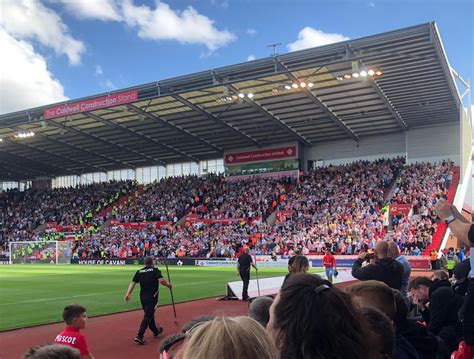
(400, 209)
(260, 155)
(90, 105)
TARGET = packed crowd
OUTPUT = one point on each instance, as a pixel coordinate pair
(336, 208)
(22, 213)
(420, 185)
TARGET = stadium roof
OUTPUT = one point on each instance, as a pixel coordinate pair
(188, 119)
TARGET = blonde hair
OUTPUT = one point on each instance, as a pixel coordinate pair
(229, 338)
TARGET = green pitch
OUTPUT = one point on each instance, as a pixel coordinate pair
(36, 294)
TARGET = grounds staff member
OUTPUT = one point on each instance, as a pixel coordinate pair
(464, 231)
(148, 277)
(243, 269)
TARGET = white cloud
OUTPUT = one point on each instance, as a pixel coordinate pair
(105, 10)
(371, 4)
(164, 23)
(224, 4)
(251, 58)
(98, 70)
(109, 85)
(31, 20)
(251, 32)
(309, 37)
(25, 80)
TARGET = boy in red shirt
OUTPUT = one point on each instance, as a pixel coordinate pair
(329, 262)
(75, 317)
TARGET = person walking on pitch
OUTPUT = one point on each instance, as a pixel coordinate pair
(149, 278)
(243, 269)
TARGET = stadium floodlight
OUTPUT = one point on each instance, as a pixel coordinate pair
(363, 73)
(378, 73)
(295, 85)
(241, 95)
(25, 134)
(347, 76)
(303, 84)
(287, 87)
(355, 75)
(250, 95)
(310, 84)
(371, 72)
(1, 139)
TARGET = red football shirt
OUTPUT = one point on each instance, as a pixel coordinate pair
(71, 337)
(329, 261)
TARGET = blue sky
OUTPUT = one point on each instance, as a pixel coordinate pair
(59, 49)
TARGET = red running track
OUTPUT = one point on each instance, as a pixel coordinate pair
(111, 336)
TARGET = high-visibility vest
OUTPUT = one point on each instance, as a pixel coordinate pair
(450, 260)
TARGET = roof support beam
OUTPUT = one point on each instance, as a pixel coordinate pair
(63, 157)
(31, 164)
(174, 127)
(214, 119)
(270, 116)
(106, 142)
(62, 143)
(375, 86)
(330, 113)
(124, 128)
(6, 167)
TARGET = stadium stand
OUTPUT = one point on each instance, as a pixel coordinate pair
(340, 208)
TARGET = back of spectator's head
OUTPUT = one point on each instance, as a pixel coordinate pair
(393, 250)
(198, 320)
(440, 275)
(382, 332)
(375, 294)
(311, 319)
(260, 310)
(149, 261)
(52, 351)
(401, 307)
(298, 264)
(381, 249)
(172, 344)
(461, 270)
(71, 312)
(247, 250)
(230, 338)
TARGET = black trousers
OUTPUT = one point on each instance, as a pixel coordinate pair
(148, 321)
(245, 275)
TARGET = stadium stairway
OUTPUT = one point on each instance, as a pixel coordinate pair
(441, 229)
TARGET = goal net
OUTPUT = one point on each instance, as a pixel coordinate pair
(54, 252)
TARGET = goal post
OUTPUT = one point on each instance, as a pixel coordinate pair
(47, 252)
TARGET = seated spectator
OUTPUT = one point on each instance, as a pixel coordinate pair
(461, 277)
(230, 338)
(75, 317)
(385, 269)
(378, 295)
(414, 332)
(259, 310)
(301, 326)
(297, 264)
(439, 275)
(382, 329)
(52, 351)
(439, 306)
